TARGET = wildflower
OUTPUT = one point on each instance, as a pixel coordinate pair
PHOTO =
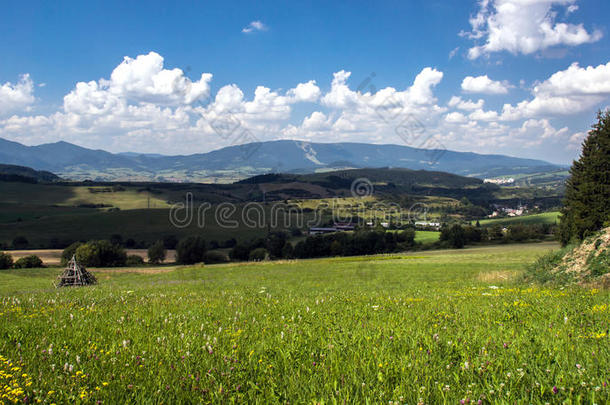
(555, 390)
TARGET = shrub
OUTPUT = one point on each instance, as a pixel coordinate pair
(455, 236)
(157, 252)
(6, 261)
(288, 251)
(215, 257)
(170, 242)
(101, 253)
(190, 250)
(134, 261)
(28, 262)
(68, 252)
(258, 254)
(20, 242)
(239, 252)
(116, 239)
(229, 243)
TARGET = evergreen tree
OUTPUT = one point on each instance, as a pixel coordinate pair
(586, 206)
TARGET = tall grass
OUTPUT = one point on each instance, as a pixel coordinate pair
(404, 330)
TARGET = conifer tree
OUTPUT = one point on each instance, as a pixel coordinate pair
(586, 207)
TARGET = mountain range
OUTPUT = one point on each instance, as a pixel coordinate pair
(237, 162)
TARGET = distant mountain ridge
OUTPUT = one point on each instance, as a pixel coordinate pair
(286, 156)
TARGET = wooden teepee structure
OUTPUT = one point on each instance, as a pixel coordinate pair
(75, 275)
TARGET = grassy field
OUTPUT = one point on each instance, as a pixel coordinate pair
(429, 327)
(427, 236)
(543, 218)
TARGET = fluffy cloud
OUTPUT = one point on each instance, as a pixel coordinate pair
(143, 106)
(306, 92)
(253, 27)
(484, 85)
(467, 105)
(568, 91)
(524, 26)
(144, 79)
(18, 96)
(455, 117)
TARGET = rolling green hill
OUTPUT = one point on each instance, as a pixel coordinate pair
(543, 218)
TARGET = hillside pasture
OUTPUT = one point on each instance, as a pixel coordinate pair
(543, 218)
(429, 327)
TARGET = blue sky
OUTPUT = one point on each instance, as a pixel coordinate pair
(540, 67)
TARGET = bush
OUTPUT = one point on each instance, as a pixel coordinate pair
(214, 257)
(455, 236)
(170, 242)
(6, 261)
(28, 262)
(134, 261)
(101, 253)
(190, 250)
(68, 252)
(157, 252)
(239, 252)
(288, 251)
(116, 239)
(20, 242)
(229, 243)
(258, 255)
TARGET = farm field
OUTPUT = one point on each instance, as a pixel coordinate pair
(427, 327)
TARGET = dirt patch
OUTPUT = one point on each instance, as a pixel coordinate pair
(497, 276)
(589, 263)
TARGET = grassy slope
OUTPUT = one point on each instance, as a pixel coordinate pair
(47, 194)
(544, 218)
(427, 236)
(426, 327)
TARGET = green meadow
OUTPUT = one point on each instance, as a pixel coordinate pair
(543, 218)
(427, 327)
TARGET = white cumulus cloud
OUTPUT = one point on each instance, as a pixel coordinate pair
(569, 91)
(17, 96)
(524, 27)
(484, 85)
